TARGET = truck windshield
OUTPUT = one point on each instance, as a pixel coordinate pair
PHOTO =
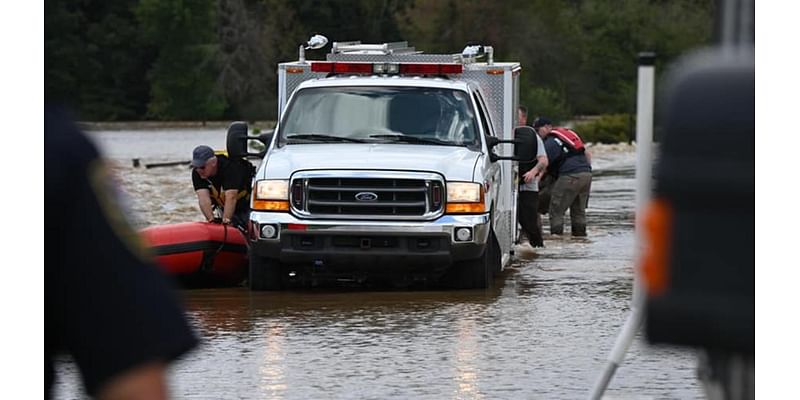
(381, 114)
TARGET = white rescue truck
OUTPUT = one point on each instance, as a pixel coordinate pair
(385, 166)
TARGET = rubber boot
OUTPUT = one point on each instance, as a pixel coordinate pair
(536, 239)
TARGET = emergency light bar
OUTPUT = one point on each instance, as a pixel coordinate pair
(386, 68)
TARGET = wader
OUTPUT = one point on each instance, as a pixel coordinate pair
(570, 191)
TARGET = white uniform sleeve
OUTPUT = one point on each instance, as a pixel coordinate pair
(540, 147)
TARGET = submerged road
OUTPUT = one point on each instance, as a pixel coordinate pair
(542, 331)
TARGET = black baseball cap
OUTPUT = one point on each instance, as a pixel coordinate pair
(541, 121)
(200, 155)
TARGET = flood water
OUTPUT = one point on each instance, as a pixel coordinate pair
(543, 331)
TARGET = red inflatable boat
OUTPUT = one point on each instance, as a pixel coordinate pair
(199, 253)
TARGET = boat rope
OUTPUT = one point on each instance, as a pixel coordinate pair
(207, 264)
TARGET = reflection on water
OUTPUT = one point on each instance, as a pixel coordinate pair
(273, 379)
(542, 331)
(466, 355)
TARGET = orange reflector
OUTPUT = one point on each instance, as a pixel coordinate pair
(295, 70)
(466, 208)
(270, 205)
(657, 223)
(494, 71)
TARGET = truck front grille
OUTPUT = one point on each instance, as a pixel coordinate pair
(367, 197)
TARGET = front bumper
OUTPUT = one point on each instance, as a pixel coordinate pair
(386, 246)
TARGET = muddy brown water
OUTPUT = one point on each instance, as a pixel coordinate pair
(543, 331)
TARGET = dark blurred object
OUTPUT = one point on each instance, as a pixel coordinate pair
(700, 259)
(526, 148)
(106, 304)
(706, 179)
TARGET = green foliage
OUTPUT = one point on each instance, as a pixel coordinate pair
(95, 60)
(583, 53)
(544, 102)
(344, 20)
(184, 76)
(211, 59)
(611, 34)
(611, 128)
(248, 47)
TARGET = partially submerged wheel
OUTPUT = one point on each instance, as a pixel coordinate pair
(476, 273)
(265, 273)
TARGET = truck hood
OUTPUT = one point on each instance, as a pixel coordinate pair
(455, 163)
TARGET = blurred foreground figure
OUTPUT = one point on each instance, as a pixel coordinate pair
(699, 265)
(105, 303)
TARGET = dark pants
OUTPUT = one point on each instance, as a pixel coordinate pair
(529, 218)
(545, 187)
(570, 191)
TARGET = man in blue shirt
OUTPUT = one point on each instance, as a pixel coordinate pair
(573, 172)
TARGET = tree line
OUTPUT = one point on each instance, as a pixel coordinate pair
(116, 60)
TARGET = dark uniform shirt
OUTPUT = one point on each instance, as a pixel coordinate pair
(231, 174)
(105, 303)
(565, 162)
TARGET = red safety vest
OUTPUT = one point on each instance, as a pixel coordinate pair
(569, 138)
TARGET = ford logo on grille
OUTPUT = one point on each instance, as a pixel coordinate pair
(366, 196)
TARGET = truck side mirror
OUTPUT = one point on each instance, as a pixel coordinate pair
(523, 147)
(526, 143)
(264, 138)
(236, 141)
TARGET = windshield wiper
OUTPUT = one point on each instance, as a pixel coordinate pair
(318, 137)
(413, 139)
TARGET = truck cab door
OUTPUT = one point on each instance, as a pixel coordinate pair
(493, 176)
(498, 177)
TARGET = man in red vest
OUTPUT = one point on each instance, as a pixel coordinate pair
(570, 165)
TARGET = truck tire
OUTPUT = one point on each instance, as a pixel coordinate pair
(476, 273)
(265, 273)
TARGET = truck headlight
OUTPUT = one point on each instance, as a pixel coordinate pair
(271, 195)
(465, 198)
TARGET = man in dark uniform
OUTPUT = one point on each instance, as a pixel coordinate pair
(106, 304)
(222, 183)
(573, 172)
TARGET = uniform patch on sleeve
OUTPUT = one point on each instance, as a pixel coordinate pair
(107, 195)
